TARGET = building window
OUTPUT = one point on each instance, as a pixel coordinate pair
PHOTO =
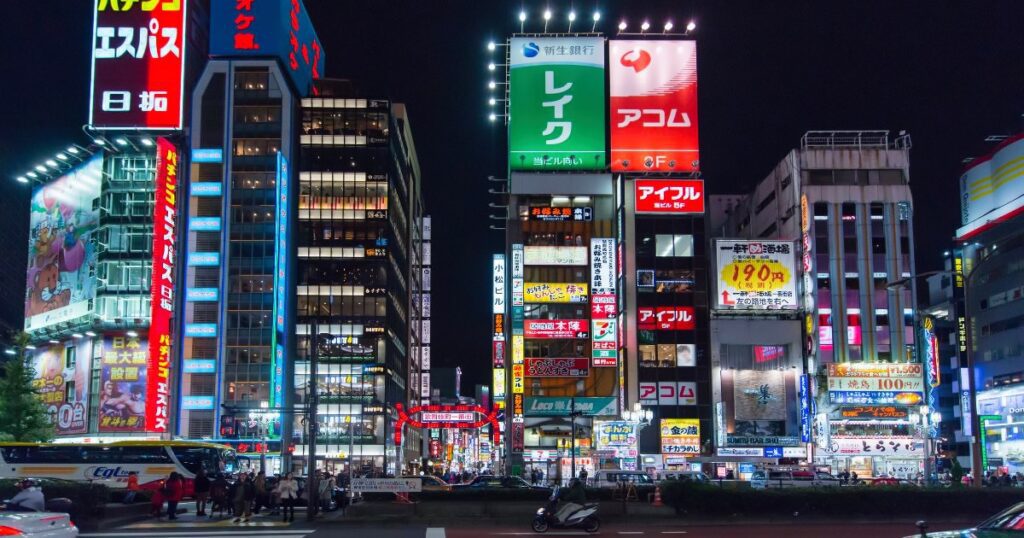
(668, 246)
(69, 391)
(69, 357)
(764, 203)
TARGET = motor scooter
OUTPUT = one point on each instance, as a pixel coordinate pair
(583, 518)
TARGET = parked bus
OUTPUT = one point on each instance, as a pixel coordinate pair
(110, 463)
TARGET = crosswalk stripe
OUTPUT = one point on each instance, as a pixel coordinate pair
(435, 532)
(291, 533)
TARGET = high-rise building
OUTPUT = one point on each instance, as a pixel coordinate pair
(236, 332)
(358, 278)
(844, 199)
(988, 309)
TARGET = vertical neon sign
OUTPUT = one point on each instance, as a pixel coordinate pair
(280, 281)
(162, 287)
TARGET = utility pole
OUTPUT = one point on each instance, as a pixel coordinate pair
(573, 413)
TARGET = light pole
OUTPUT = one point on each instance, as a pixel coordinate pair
(642, 418)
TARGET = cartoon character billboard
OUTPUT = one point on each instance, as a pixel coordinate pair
(62, 383)
(122, 400)
(62, 248)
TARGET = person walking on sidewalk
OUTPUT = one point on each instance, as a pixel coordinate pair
(288, 489)
(202, 488)
(175, 490)
(260, 485)
(133, 487)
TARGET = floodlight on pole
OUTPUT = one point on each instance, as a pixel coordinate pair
(691, 26)
(669, 26)
(572, 17)
(622, 26)
(490, 45)
(492, 101)
(40, 168)
(492, 85)
(62, 157)
(490, 66)
(597, 17)
(51, 163)
(492, 116)
(22, 179)
(645, 26)
(547, 17)
(31, 175)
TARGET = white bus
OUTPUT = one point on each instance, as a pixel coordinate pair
(110, 463)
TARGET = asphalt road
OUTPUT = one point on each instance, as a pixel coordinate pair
(266, 528)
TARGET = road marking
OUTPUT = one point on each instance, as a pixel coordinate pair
(556, 533)
(673, 532)
(435, 532)
(268, 532)
(211, 523)
(631, 532)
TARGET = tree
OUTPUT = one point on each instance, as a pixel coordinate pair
(23, 416)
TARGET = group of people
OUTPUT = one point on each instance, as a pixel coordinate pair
(241, 495)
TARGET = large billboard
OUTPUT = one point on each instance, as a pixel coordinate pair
(63, 217)
(282, 223)
(165, 258)
(756, 275)
(876, 383)
(62, 383)
(680, 436)
(279, 28)
(138, 64)
(556, 103)
(123, 399)
(990, 184)
(653, 106)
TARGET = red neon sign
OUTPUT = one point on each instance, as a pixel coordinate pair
(405, 418)
(138, 65)
(162, 288)
(669, 196)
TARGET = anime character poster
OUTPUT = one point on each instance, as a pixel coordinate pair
(62, 382)
(122, 397)
(62, 249)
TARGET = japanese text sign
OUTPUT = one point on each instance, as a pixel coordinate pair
(756, 275)
(666, 318)
(680, 436)
(138, 64)
(498, 284)
(552, 367)
(554, 255)
(556, 108)
(653, 106)
(556, 328)
(279, 28)
(124, 388)
(165, 220)
(669, 196)
(545, 292)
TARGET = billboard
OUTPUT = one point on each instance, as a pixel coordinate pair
(549, 292)
(560, 406)
(556, 103)
(279, 28)
(680, 436)
(63, 216)
(551, 367)
(668, 196)
(555, 255)
(138, 64)
(555, 328)
(653, 106)
(162, 288)
(123, 396)
(756, 275)
(666, 318)
(499, 383)
(62, 383)
(876, 383)
(759, 395)
(280, 308)
(990, 184)
(616, 436)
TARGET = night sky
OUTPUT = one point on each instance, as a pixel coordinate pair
(949, 73)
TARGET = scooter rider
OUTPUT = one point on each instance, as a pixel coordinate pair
(573, 497)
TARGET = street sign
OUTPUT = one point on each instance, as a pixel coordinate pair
(387, 485)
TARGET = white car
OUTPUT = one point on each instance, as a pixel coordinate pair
(37, 525)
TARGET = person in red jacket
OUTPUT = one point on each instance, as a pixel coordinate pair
(174, 490)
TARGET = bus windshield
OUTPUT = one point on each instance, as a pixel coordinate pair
(210, 460)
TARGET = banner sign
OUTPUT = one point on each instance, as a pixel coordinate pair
(556, 103)
(876, 383)
(387, 485)
(499, 383)
(680, 436)
(162, 289)
(602, 265)
(668, 196)
(549, 292)
(756, 275)
(498, 283)
(558, 406)
(668, 393)
(62, 383)
(875, 411)
(930, 349)
(873, 446)
(555, 255)
(666, 318)
(549, 367)
(138, 64)
(603, 306)
(125, 393)
(653, 104)
(555, 328)
(875, 397)
(561, 214)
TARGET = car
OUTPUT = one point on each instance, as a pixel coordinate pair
(432, 483)
(790, 479)
(40, 524)
(683, 476)
(1008, 523)
(886, 480)
(611, 479)
(496, 482)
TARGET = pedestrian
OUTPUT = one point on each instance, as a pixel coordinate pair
(583, 476)
(219, 495)
(244, 494)
(156, 502)
(174, 491)
(260, 487)
(288, 489)
(133, 487)
(202, 489)
(327, 493)
(273, 494)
